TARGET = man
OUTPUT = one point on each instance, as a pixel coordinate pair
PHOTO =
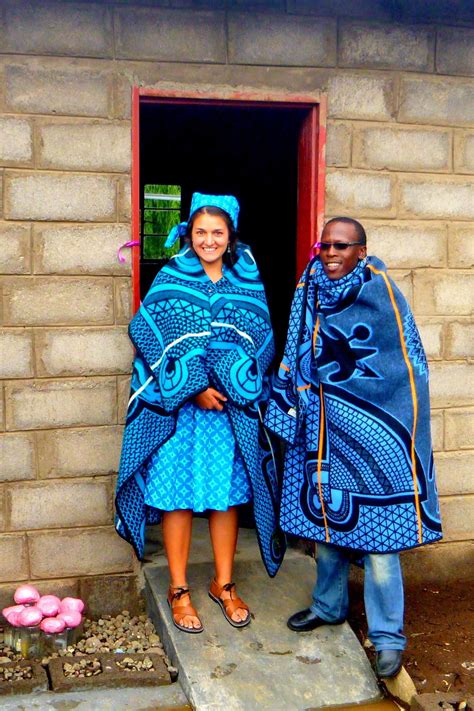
(351, 400)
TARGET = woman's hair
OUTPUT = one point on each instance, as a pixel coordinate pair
(229, 256)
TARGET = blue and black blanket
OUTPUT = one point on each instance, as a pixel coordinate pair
(184, 314)
(352, 402)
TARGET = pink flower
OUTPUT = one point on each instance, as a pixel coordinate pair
(72, 603)
(52, 625)
(49, 605)
(72, 618)
(30, 616)
(26, 594)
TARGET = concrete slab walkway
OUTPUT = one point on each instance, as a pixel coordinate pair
(163, 698)
(263, 666)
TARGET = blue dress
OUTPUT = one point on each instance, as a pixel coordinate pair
(199, 467)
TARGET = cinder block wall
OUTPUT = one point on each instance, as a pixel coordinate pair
(400, 157)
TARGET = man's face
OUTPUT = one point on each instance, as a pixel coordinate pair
(339, 262)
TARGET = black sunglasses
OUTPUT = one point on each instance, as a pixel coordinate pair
(338, 246)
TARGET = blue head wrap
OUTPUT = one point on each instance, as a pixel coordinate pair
(228, 203)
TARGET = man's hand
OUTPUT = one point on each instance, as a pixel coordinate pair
(210, 399)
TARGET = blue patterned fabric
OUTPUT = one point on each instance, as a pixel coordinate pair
(228, 203)
(211, 474)
(190, 334)
(352, 402)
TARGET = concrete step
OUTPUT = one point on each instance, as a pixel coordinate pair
(162, 698)
(263, 666)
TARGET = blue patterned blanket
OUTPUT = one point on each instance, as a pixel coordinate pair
(184, 314)
(352, 402)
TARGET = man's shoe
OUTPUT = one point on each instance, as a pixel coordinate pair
(388, 662)
(307, 620)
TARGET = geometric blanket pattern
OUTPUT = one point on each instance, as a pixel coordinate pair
(190, 334)
(351, 400)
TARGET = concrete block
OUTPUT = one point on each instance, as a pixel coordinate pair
(405, 149)
(460, 340)
(442, 102)
(279, 39)
(403, 279)
(88, 146)
(363, 194)
(83, 351)
(89, 451)
(35, 684)
(455, 51)
(170, 35)
(61, 403)
(439, 564)
(123, 396)
(57, 300)
(16, 141)
(457, 515)
(437, 430)
(444, 292)
(386, 46)
(124, 200)
(17, 457)
(431, 333)
(109, 595)
(14, 557)
(16, 353)
(65, 29)
(451, 384)
(85, 551)
(459, 429)
(211, 4)
(80, 249)
(338, 145)
(54, 504)
(15, 250)
(464, 152)
(250, 4)
(461, 246)
(43, 196)
(454, 472)
(3, 516)
(2, 408)
(361, 8)
(57, 87)
(356, 96)
(112, 676)
(434, 198)
(408, 245)
(123, 300)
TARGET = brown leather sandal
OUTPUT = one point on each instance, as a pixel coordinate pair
(180, 611)
(230, 605)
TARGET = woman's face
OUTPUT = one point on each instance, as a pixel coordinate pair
(209, 238)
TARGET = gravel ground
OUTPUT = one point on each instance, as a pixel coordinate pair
(122, 633)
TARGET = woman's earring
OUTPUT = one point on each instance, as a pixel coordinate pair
(228, 248)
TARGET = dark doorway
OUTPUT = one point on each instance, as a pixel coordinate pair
(248, 151)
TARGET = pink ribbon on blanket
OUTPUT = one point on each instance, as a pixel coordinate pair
(120, 256)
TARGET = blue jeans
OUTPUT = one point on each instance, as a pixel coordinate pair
(383, 593)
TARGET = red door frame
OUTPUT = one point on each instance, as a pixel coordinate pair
(311, 160)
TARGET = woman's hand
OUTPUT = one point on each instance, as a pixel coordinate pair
(210, 399)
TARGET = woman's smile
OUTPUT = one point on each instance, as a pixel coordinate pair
(210, 238)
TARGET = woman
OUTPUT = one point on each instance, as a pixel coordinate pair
(193, 438)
